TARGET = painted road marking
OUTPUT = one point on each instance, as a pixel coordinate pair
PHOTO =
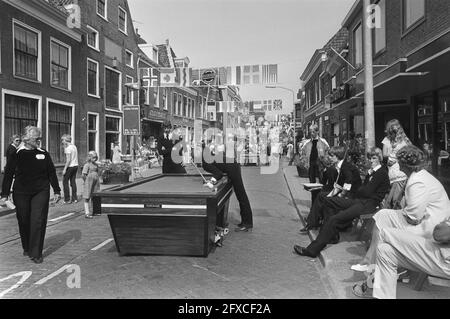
(52, 275)
(60, 217)
(103, 244)
(24, 274)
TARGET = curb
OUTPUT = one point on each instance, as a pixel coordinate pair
(311, 234)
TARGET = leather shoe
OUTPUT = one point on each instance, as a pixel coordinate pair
(302, 251)
(243, 228)
(305, 229)
(37, 260)
(335, 240)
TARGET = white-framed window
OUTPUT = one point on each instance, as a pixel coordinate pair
(113, 89)
(122, 22)
(155, 54)
(27, 52)
(129, 59)
(156, 97)
(60, 121)
(60, 65)
(92, 131)
(358, 45)
(380, 33)
(174, 103)
(164, 99)
(92, 78)
(102, 9)
(18, 111)
(185, 106)
(413, 11)
(129, 92)
(179, 104)
(92, 38)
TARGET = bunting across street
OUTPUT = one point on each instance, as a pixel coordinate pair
(258, 74)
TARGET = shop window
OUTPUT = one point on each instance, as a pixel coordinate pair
(112, 134)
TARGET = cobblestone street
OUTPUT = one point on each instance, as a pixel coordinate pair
(258, 264)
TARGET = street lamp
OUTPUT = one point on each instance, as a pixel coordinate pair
(293, 103)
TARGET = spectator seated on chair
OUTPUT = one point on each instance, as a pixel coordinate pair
(348, 178)
(340, 210)
(409, 230)
(400, 248)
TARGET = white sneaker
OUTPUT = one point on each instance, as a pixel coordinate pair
(359, 267)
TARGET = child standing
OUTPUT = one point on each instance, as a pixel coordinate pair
(91, 180)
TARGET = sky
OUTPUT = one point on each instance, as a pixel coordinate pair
(214, 33)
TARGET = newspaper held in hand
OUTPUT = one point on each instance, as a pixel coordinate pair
(312, 186)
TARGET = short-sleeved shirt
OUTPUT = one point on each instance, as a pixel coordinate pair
(71, 150)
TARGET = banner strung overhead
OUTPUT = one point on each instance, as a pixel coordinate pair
(258, 74)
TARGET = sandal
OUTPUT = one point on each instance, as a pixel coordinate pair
(362, 290)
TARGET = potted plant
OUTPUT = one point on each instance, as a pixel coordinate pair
(115, 173)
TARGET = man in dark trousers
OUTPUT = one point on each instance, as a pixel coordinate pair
(348, 179)
(12, 148)
(342, 209)
(166, 143)
(312, 150)
(232, 168)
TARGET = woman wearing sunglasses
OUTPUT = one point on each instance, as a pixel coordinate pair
(33, 171)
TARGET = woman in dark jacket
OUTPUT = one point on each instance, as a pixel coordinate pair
(33, 171)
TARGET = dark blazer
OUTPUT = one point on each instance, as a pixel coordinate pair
(169, 166)
(376, 186)
(329, 178)
(349, 174)
(9, 151)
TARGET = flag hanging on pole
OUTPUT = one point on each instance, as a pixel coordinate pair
(183, 77)
(277, 105)
(168, 77)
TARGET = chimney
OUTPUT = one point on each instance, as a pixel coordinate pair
(167, 41)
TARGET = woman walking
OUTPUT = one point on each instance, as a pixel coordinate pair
(33, 170)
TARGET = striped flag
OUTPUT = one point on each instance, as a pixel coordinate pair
(269, 73)
(183, 77)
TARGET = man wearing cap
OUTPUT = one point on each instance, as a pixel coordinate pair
(166, 142)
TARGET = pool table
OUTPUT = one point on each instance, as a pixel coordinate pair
(166, 214)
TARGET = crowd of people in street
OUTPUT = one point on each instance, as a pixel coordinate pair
(410, 207)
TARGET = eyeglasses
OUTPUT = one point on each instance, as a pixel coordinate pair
(17, 141)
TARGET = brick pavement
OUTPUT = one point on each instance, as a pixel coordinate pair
(338, 258)
(259, 264)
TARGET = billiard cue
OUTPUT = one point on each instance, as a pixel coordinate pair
(190, 161)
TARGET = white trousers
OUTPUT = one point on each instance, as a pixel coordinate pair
(401, 248)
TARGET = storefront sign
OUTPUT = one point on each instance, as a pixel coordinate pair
(155, 114)
(131, 120)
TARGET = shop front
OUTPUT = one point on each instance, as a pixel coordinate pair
(152, 126)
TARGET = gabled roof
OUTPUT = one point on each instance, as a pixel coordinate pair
(59, 4)
(163, 55)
